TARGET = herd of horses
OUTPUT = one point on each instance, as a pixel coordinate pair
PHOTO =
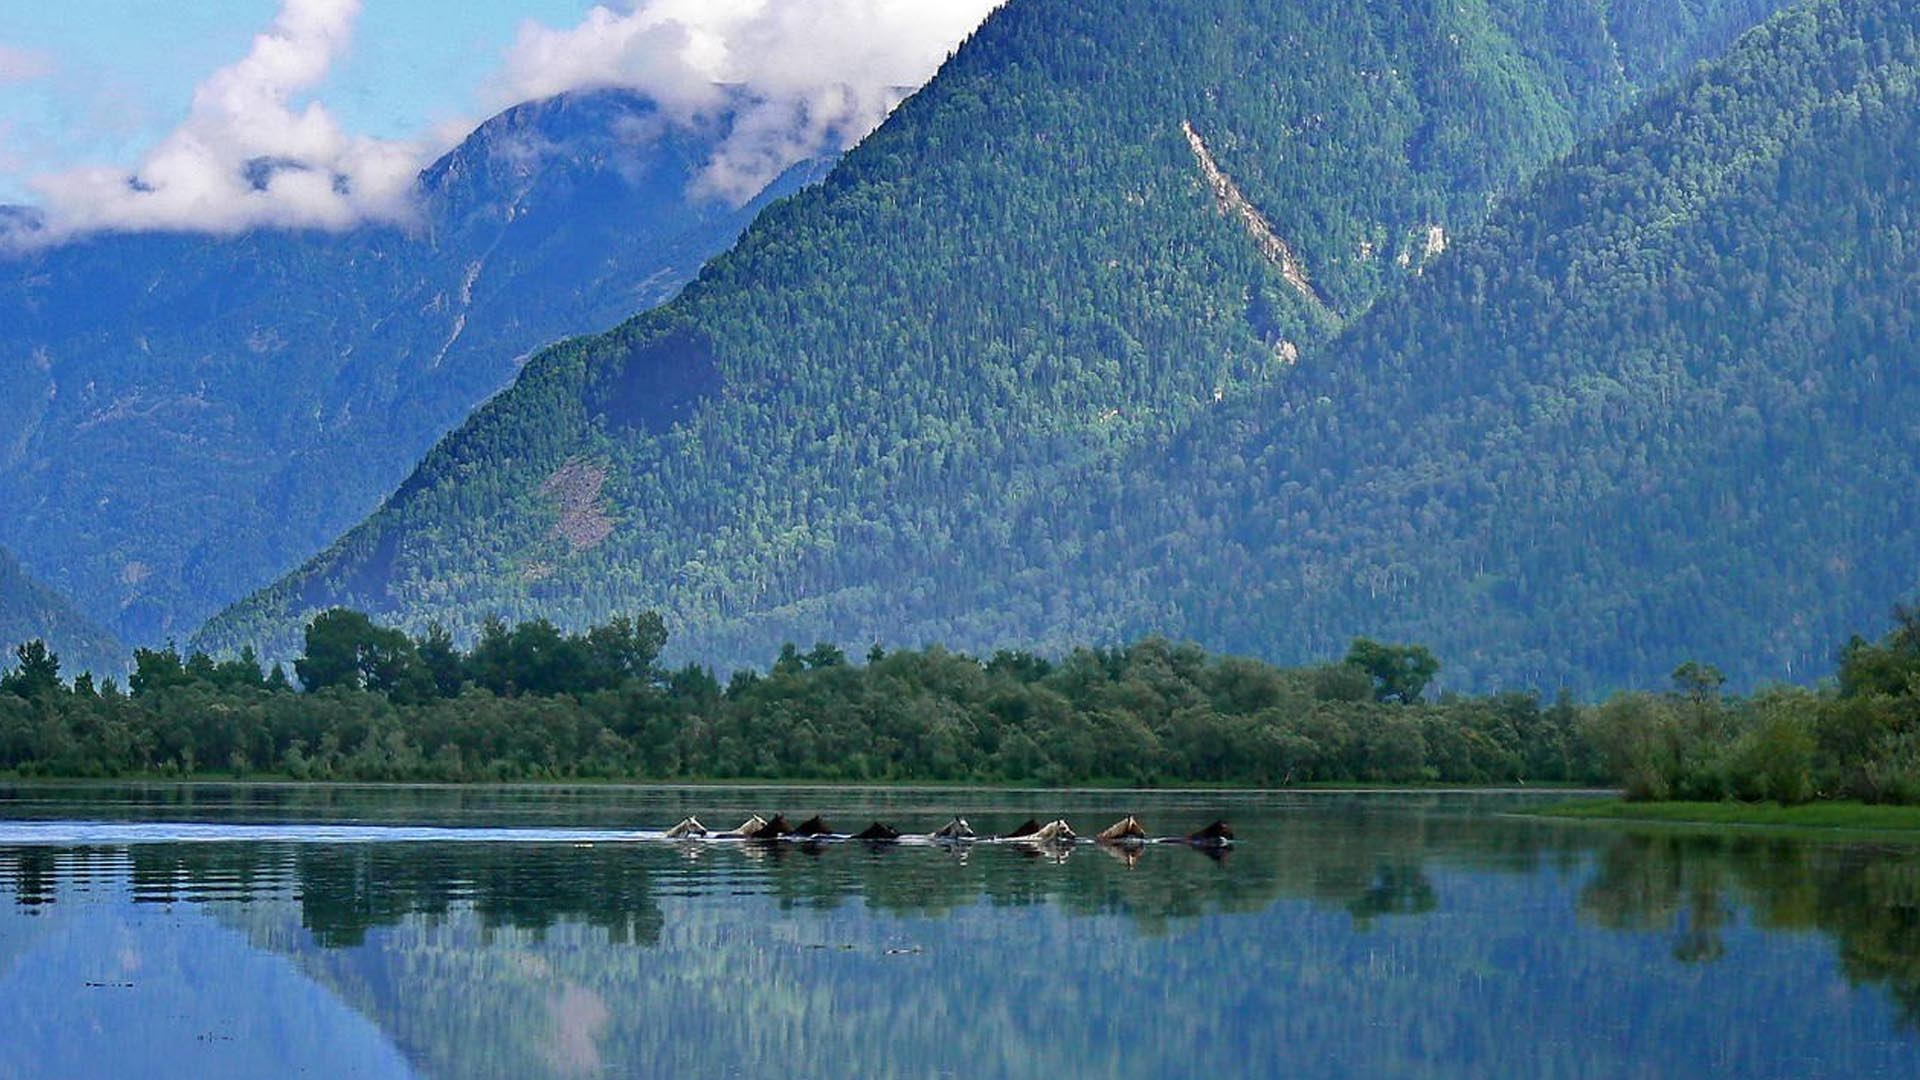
(1127, 832)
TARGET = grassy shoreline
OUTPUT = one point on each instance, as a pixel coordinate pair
(1836, 817)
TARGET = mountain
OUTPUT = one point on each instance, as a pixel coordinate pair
(1659, 407)
(186, 416)
(1094, 224)
(31, 611)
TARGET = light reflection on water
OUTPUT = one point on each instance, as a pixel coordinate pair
(1412, 935)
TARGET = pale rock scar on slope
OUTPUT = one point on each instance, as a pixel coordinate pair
(1234, 203)
(575, 486)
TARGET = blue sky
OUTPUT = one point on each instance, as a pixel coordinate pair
(152, 114)
(119, 74)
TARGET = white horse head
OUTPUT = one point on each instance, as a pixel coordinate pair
(1056, 831)
(691, 827)
(957, 829)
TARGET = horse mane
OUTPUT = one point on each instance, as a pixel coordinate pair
(1025, 828)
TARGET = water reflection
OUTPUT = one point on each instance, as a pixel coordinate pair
(1865, 897)
(1376, 935)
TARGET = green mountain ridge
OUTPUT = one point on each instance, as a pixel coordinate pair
(1027, 268)
(1658, 408)
(187, 416)
(30, 611)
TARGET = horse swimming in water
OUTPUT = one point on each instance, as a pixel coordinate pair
(746, 828)
(814, 828)
(1056, 831)
(957, 829)
(1217, 835)
(1128, 832)
(773, 830)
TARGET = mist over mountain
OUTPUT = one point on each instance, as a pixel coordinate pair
(186, 416)
(1091, 228)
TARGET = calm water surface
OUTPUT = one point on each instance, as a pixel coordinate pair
(282, 931)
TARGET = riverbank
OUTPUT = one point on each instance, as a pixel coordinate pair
(1816, 817)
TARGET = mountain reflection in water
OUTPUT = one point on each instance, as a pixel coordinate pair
(1376, 934)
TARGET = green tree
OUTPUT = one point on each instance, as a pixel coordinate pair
(346, 649)
(1399, 672)
(36, 674)
(443, 662)
(157, 669)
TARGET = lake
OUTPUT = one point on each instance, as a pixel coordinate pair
(248, 931)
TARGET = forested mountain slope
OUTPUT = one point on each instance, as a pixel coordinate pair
(1662, 406)
(29, 611)
(182, 417)
(1094, 223)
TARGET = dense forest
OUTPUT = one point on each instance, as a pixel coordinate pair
(1658, 406)
(183, 416)
(533, 702)
(1094, 224)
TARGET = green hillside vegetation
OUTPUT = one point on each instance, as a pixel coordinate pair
(30, 611)
(1096, 223)
(1659, 406)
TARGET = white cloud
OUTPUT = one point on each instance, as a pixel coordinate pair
(19, 65)
(251, 153)
(796, 78)
(778, 81)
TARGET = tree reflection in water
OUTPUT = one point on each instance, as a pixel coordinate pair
(1381, 934)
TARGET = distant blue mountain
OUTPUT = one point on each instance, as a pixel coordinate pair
(184, 417)
(30, 610)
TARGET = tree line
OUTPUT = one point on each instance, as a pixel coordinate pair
(530, 701)
(533, 702)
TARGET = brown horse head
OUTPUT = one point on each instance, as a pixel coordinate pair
(814, 826)
(1218, 834)
(879, 830)
(1127, 829)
